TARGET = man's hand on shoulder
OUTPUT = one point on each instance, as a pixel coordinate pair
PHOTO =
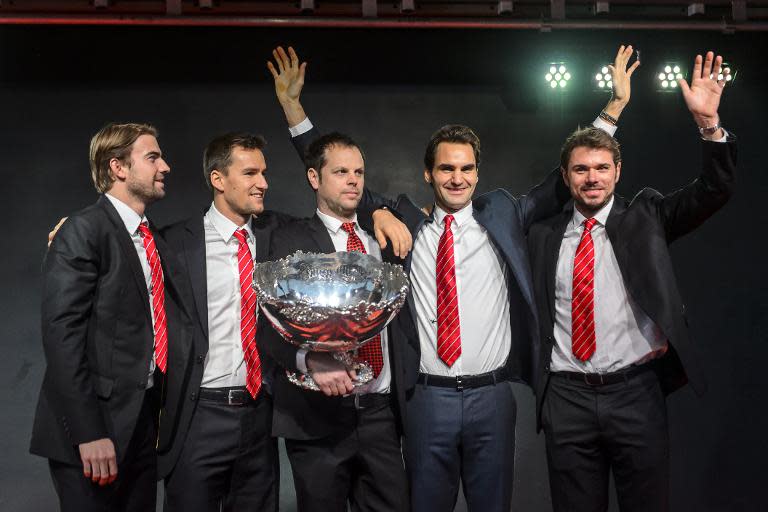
(99, 461)
(387, 227)
(289, 81)
(332, 376)
(52, 233)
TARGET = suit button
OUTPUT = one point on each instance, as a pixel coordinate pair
(200, 359)
(193, 396)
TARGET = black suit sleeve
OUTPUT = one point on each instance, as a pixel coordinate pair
(70, 278)
(687, 208)
(544, 200)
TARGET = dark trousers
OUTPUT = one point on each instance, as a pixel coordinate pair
(467, 434)
(591, 430)
(229, 460)
(134, 490)
(362, 466)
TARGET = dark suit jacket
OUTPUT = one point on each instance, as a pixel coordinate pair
(640, 231)
(186, 240)
(97, 334)
(300, 414)
(506, 219)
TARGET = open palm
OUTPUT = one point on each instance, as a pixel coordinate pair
(703, 95)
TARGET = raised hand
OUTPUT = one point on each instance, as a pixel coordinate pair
(702, 97)
(289, 81)
(621, 74)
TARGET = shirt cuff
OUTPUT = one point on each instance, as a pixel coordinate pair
(301, 360)
(604, 125)
(724, 138)
(302, 127)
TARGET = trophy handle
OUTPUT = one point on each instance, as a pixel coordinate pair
(362, 369)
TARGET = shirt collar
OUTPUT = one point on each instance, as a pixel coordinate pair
(225, 227)
(601, 216)
(128, 215)
(459, 218)
(333, 224)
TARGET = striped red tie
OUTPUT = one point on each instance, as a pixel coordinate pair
(158, 297)
(583, 294)
(248, 314)
(371, 351)
(448, 325)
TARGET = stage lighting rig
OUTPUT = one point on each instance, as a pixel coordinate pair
(604, 80)
(558, 75)
(668, 77)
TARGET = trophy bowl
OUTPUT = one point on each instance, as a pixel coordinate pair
(330, 302)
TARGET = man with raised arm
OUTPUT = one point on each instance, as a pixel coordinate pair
(470, 324)
(613, 327)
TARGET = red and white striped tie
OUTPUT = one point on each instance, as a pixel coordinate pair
(248, 314)
(370, 352)
(158, 297)
(448, 325)
(583, 295)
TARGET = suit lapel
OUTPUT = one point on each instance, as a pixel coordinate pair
(552, 252)
(262, 230)
(129, 251)
(612, 224)
(320, 235)
(194, 254)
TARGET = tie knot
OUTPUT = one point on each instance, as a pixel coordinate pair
(590, 223)
(349, 227)
(241, 235)
(448, 220)
(144, 229)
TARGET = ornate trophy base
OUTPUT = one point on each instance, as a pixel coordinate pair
(362, 369)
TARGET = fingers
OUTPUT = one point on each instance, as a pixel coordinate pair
(717, 68)
(380, 237)
(112, 469)
(707, 69)
(697, 67)
(286, 61)
(633, 67)
(103, 472)
(272, 69)
(293, 56)
(278, 59)
(684, 87)
(87, 472)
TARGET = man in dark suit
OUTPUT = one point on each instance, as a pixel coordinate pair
(343, 441)
(615, 336)
(216, 449)
(470, 324)
(108, 323)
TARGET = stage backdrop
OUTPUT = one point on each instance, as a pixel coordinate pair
(390, 90)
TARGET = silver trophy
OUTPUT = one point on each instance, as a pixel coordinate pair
(330, 303)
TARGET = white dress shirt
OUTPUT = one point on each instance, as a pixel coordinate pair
(339, 238)
(131, 219)
(624, 334)
(481, 287)
(224, 364)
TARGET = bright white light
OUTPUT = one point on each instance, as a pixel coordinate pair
(662, 76)
(552, 70)
(604, 70)
(667, 69)
(561, 69)
(676, 69)
(610, 84)
(562, 83)
(679, 76)
(665, 84)
(598, 77)
(567, 76)
(728, 78)
(719, 77)
(548, 77)
(670, 76)
(558, 76)
(553, 84)
(601, 84)
(673, 84)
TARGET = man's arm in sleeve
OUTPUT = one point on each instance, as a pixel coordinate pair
(70, 277)
(548, 197)
(687, 208)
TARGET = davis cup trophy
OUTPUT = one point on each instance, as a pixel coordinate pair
(330, 302)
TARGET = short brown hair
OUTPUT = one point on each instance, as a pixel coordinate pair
(115, 140)
(590, 137)
(455, 133)
(218, 152)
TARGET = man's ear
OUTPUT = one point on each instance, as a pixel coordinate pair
(313, 177)
(428, 176)
(117, 169)
(217, 178)
(618, 171)
(564, 173)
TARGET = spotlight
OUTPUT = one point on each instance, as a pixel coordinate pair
(603, 79)
(558, 75)
(727, 73)
(668, 77)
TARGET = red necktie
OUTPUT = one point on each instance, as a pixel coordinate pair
(448, 325)
(158, 297)
(583, 294)
(248, 314)
(371, 351)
